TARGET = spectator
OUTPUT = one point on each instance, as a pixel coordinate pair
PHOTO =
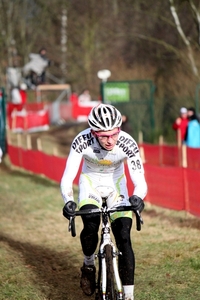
(34, 70)
(43, 55)
(125, 124)
(15, 96)
(180, 125)
(18, 94)
(84, 97)
(193, 129)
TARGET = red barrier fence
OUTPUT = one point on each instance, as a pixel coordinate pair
(27, 117)
(164, 155)
(38, 162)
(169, 186)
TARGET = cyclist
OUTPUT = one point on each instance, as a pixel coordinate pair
(104, 148)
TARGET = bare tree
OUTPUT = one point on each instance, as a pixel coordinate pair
(182, 34)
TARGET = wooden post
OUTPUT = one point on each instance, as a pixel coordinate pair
(179, 141)
(184, 156)
(39, 144)
(179, 144)
(19, 140)
(140, 142)
(140, 138)
(161, 142)
(55, 151)
(185, 179)
(9, 136)
(142, 154)
(14, 119)
(28, 142)
(19, 145)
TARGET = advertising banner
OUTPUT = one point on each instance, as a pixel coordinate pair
(116, 92)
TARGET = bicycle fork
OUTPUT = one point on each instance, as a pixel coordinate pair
(115, 253)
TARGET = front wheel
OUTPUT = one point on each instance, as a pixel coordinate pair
(110, 289)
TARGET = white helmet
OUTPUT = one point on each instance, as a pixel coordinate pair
(104, 117)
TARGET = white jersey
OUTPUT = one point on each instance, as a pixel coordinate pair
(102, 168)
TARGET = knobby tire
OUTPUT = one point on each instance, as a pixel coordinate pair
(110, 289)
(98, 295)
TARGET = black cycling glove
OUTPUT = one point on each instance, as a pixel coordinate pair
(69, 209)
(137, 203)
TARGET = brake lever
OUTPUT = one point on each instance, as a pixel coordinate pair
(139, 220)
(70, 224)
(139, 215)
(71, 227)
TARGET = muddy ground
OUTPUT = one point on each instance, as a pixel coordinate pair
(59, 272)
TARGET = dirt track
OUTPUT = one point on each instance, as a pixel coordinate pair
(54, 258)
(58, 273)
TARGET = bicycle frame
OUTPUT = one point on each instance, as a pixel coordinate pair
(105, 244)
(106, 240)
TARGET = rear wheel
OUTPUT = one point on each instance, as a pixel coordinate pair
(110, 290)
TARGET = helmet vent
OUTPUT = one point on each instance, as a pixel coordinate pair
(104, 117)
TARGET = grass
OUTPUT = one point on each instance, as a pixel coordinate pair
(39, 260)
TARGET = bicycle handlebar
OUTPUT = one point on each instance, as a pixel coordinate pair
(97, 211)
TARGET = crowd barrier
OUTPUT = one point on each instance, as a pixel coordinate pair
(27, 117)
(169, 186)
(166, 155)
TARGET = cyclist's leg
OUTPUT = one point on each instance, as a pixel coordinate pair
(89, 234)
(121, 229)
(121, 223)
(88, 198)
(89, 240)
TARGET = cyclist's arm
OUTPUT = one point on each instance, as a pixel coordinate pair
(70, 172)
(136, 171)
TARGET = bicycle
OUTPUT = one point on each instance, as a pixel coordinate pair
(108, 284)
